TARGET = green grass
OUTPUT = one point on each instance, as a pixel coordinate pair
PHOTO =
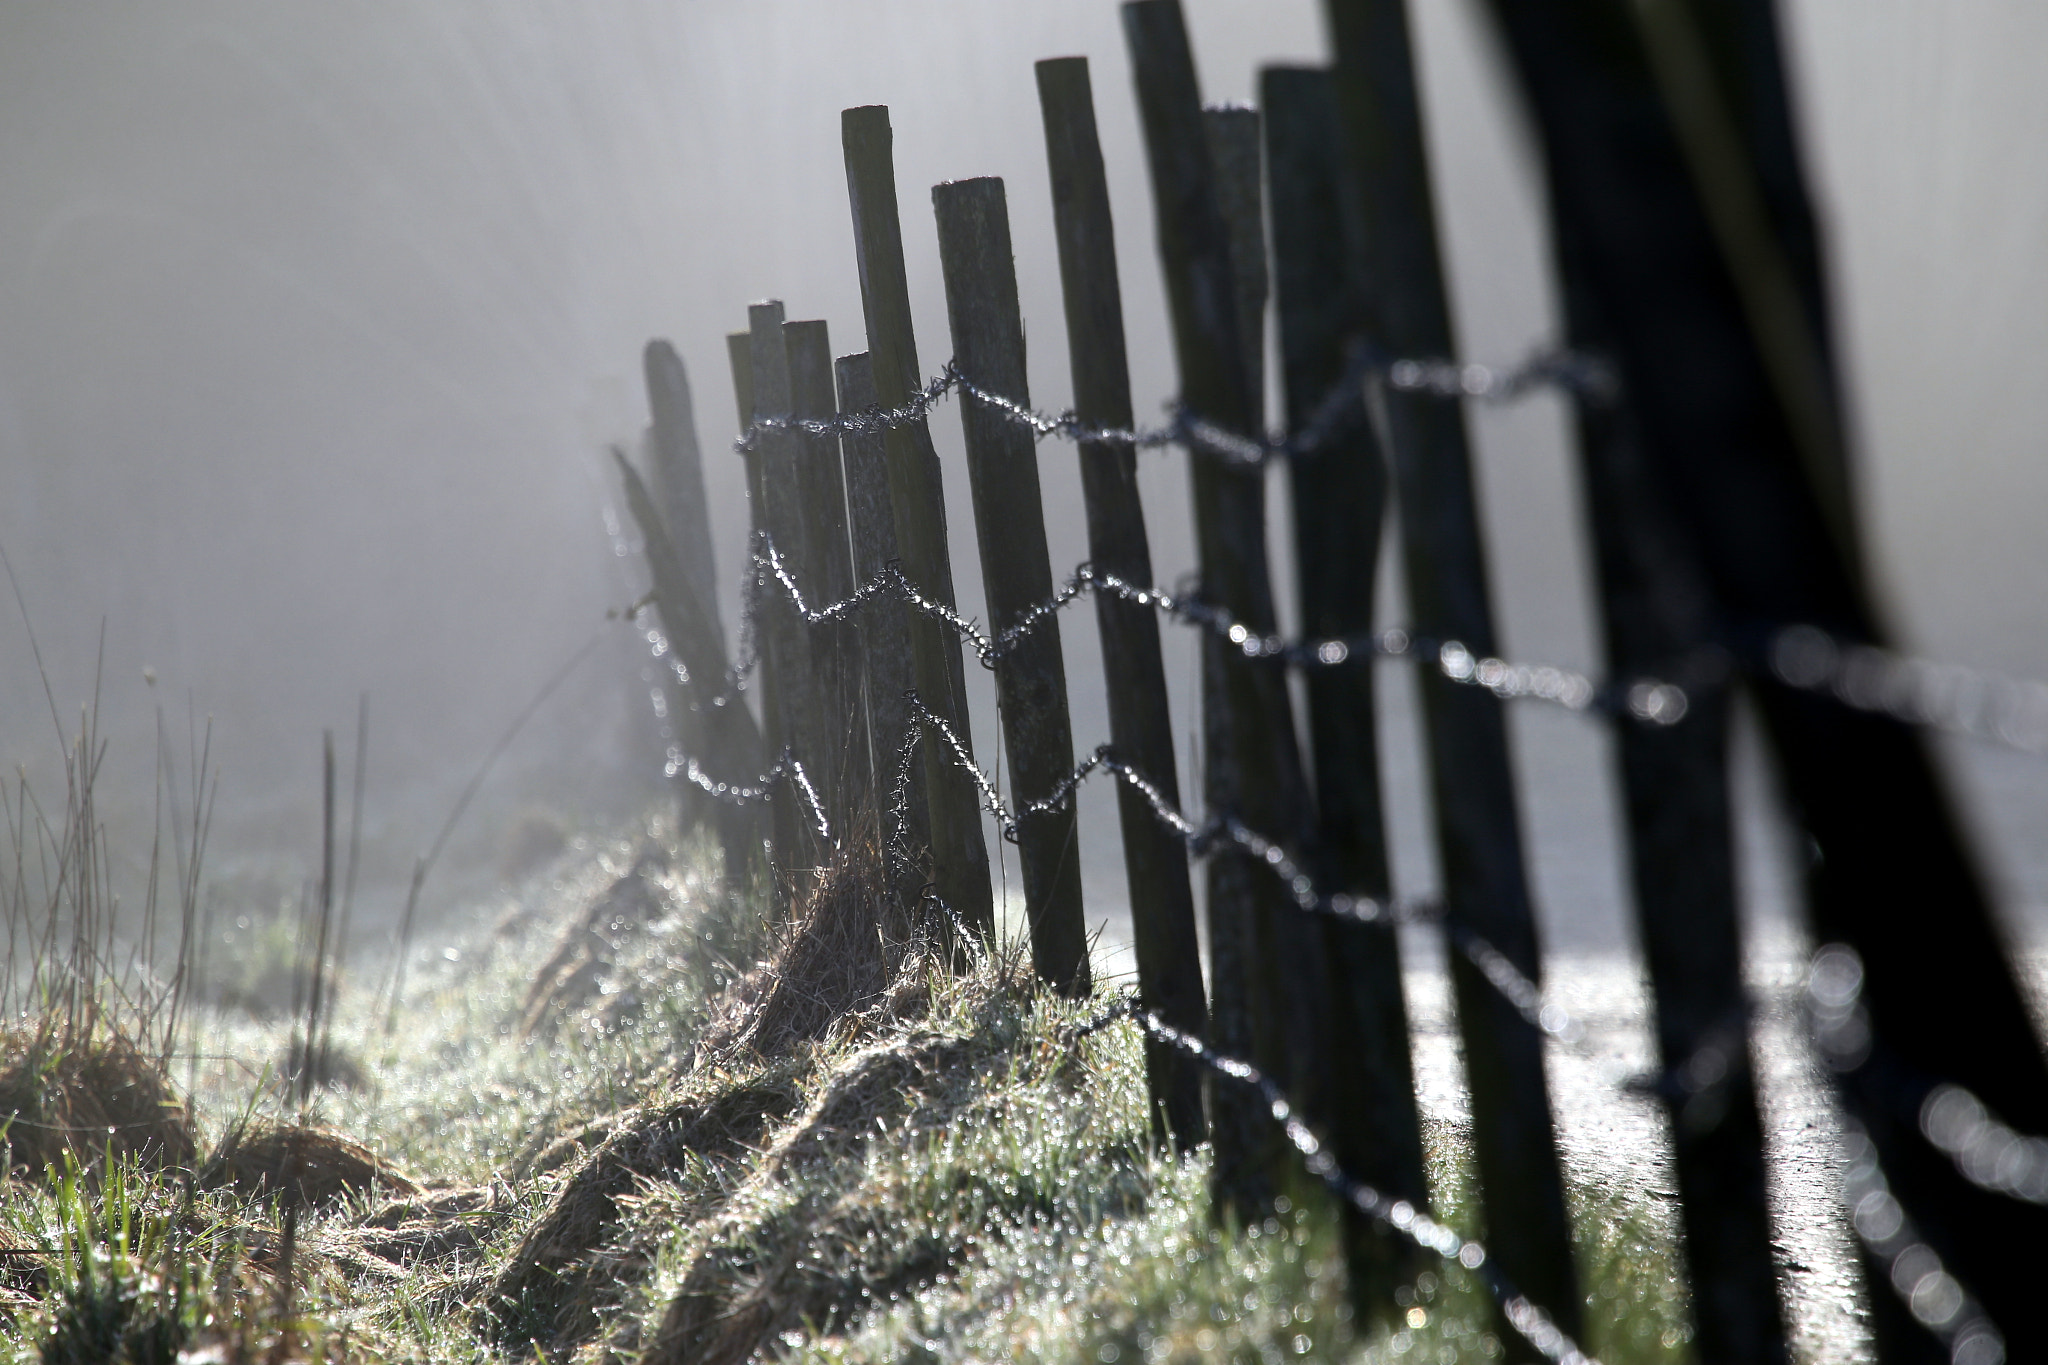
(965, 1182)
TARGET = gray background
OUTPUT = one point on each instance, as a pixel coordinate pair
(314, 319)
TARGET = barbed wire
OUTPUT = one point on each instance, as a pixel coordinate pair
(786, 768)
(1974, 703)
(1912, 1269)
(1343, 406)
(1649, 700)
(1413, 1224)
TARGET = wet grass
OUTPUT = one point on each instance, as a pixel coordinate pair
(940, 1172)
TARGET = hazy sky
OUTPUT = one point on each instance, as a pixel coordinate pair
(314, 319)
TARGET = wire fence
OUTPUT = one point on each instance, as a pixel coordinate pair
(1981, 706)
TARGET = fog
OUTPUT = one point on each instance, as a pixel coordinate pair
(314, 322)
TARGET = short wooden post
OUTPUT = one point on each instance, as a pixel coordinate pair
(1339, 496)
(1720, 357)
(842, 760)
(959, 851)
(784, 833)
(1009, 519)
(1255, 771)
(887, 673)
(1478, 833)
(1140, 725)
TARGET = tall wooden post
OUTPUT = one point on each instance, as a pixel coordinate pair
(784, 837)
(1339, 496)
(1140, 725)
(959, 853)
(1665, 212)
(1016, 568)
(887, 673)
(1478, 834)
(842, 760)
(1256, 770)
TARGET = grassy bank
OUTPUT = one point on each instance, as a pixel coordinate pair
(613, 1119)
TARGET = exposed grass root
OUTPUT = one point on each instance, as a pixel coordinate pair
(554, 1284)
(299, 1165)
(586, 958)
(88, 1091)
(830, 1226)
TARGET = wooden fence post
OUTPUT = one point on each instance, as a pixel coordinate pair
(784, 836)
(1140, 724)
(1718, 356)
(1339, 497)
(1009, 519)
(676, 471)
(887, 672)
(959, 853)
(732, 751)
(1478, 835)
(1256, 770)
(843, 764)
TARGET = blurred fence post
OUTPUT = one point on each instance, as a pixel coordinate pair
(1254, 772)
(1140, 725)
(842, 759)
(1009, 519)
(1339, 499)
(887, 672)
(1695, 273)
(1478, 834)
(959, 852)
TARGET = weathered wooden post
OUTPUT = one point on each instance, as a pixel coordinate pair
(784, 834)
(1009, 519)
(959, 853)
(1255, 772)
(732, 750)
(842, 758)
(1296, 976)
(1478, 835)
(1140, 725)
(1339, 496)
(710, 726)
(1666, 214)
(887, 672)
(676, 472)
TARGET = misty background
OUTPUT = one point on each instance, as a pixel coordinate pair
(315, 320)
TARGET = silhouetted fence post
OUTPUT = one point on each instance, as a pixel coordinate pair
(1339, 498)
(1255, 771)
(959, 853)
(676, 473)
(1016, 568)
(731, 739)
(712, 727)
(1478, 835)
(887, 671)
(842, 763)
(1666, 212)
(1140, 724)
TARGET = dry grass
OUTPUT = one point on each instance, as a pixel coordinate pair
(300, 1165)
(850, 957)
(91, 1092)
(553, 1286)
